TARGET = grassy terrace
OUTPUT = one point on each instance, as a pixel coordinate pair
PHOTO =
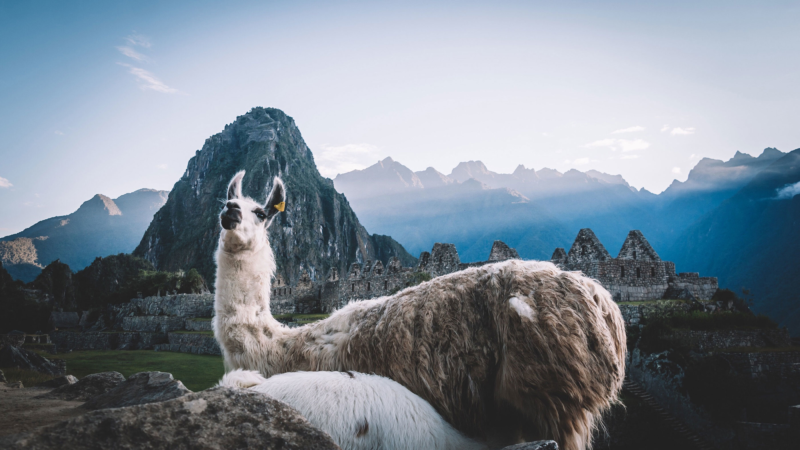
(197, 372)
(301, 318)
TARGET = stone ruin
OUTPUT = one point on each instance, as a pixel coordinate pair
(636, 274)
(176, 322)
(371, 280)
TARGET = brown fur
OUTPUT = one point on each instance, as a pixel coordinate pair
(456, 342)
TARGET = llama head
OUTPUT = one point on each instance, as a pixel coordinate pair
(244, 221)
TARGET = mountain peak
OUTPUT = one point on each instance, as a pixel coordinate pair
(546, 173)
(471, 169)
(771, 153)
(99, 204)
(739, 156)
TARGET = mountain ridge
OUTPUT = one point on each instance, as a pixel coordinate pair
(99, 227)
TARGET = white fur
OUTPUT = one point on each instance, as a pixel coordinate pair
(359, 411)
(521, 308)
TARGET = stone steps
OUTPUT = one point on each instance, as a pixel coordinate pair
(690, 437)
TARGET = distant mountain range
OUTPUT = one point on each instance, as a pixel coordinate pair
(100, 227)
(692, 223)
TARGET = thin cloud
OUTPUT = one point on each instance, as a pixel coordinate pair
(149, 81)
(676, 170)
(788, 191)
(682, 131)
(60, 133)
(631, 146)
(335, 159)
(629, 157)
(625, 145)
(665, 128)
(138, 40)
(581, 161)
(133, 54)
(4, 183)
(602, 143)
(629, 130)
(161, 166)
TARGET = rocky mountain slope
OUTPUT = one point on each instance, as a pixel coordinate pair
(751, 240)
(100, 227)
(317, 230)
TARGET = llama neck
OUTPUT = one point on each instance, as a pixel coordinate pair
(243, 283)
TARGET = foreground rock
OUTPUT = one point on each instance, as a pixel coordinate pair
(58, 382)
(86, 388)
(20, 411)
(218, 418)
(536, 445)
(11, 356)
(139, 389)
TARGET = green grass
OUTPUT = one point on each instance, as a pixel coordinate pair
(197, 372)
(29, 378)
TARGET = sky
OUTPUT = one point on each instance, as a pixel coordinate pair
(111, 97)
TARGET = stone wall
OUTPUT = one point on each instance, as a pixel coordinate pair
(198, 325)
(153, 324)
(197, 343)
(777, 367)
(703, 341)
(72, 340)
(180, 305)
(633, 314)
(370, 280)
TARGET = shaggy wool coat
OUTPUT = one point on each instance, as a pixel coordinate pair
(516, 344)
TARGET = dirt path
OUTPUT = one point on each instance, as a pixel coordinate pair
(19, 411)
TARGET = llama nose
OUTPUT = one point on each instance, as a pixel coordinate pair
(232, 205)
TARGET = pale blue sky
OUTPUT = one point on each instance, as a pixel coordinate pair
(110, 97)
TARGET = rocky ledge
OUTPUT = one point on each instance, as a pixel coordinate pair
(218, 418)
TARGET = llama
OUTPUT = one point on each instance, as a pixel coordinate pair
(507, 352)
(359, 411)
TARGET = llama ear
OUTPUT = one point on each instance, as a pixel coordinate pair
(276, 200)
(235, 186)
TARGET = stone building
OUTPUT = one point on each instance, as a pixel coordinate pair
(636, 274)
(371, 280)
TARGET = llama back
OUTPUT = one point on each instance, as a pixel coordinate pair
(526, 335)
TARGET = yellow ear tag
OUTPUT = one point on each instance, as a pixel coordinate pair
(280, 206)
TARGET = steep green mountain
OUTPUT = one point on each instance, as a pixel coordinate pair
(752, 240)
(317, 230)
(100, 227)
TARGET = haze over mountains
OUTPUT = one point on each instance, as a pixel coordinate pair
(536, 211)
(99, 227)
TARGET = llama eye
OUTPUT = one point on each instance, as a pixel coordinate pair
(261, 215)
